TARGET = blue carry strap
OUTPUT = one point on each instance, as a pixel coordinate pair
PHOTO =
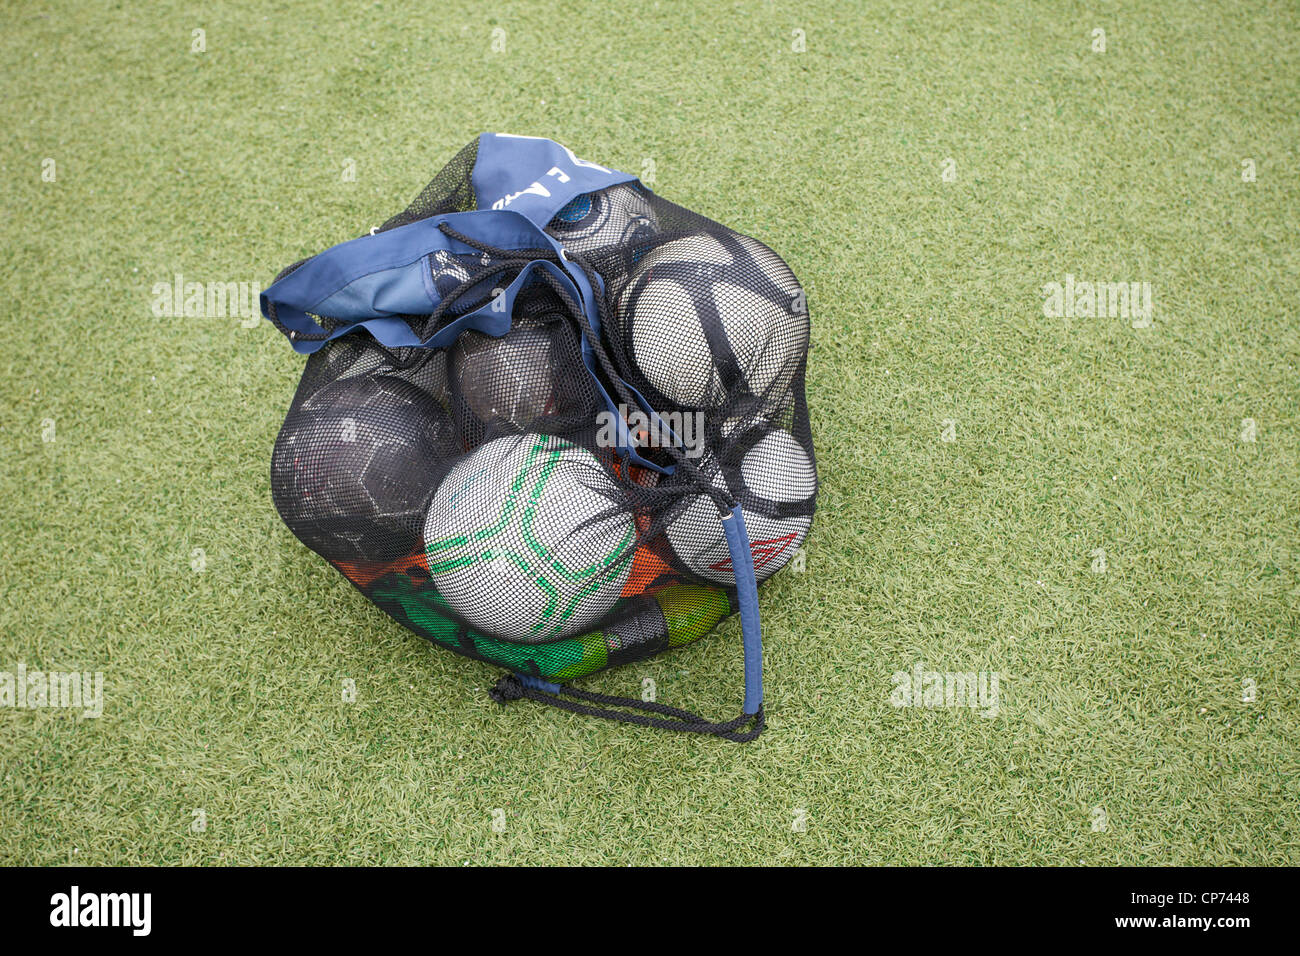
(658, 422)
(742, 566)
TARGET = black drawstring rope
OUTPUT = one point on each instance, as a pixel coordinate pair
(510, 687)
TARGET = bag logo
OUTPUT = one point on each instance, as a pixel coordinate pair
(536, 188)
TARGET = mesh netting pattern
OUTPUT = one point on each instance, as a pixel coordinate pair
(475, 492)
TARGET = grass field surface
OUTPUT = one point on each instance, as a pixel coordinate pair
(1101, 510)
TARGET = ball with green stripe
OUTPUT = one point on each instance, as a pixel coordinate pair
(529, 538)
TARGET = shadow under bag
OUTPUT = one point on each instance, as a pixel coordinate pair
(551, 421)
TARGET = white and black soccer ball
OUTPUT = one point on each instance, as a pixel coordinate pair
(774, 480)
(611, 217)
(356, 464)
(712, 319)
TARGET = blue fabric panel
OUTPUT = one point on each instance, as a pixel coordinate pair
(534, 177)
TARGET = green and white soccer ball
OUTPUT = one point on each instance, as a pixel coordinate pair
(528, 538)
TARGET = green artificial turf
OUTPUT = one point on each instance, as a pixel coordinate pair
(1121, 736)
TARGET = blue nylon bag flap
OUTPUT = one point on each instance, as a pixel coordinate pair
(534, 177)
(369, 281)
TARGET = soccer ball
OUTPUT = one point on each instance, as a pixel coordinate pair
(506, 384)
(355, 465)
(354, 356)
(767, 472)
(529, 538)
(611, 217)
(709, 319)
(447, 272)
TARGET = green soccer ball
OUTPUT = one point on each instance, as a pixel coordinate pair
(529, 538)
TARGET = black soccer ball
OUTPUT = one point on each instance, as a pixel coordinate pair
(612, 217)
(530, 379)
(354, 467)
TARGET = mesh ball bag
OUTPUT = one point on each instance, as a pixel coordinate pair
(551, 421)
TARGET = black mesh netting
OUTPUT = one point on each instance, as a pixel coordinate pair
(475, 492)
